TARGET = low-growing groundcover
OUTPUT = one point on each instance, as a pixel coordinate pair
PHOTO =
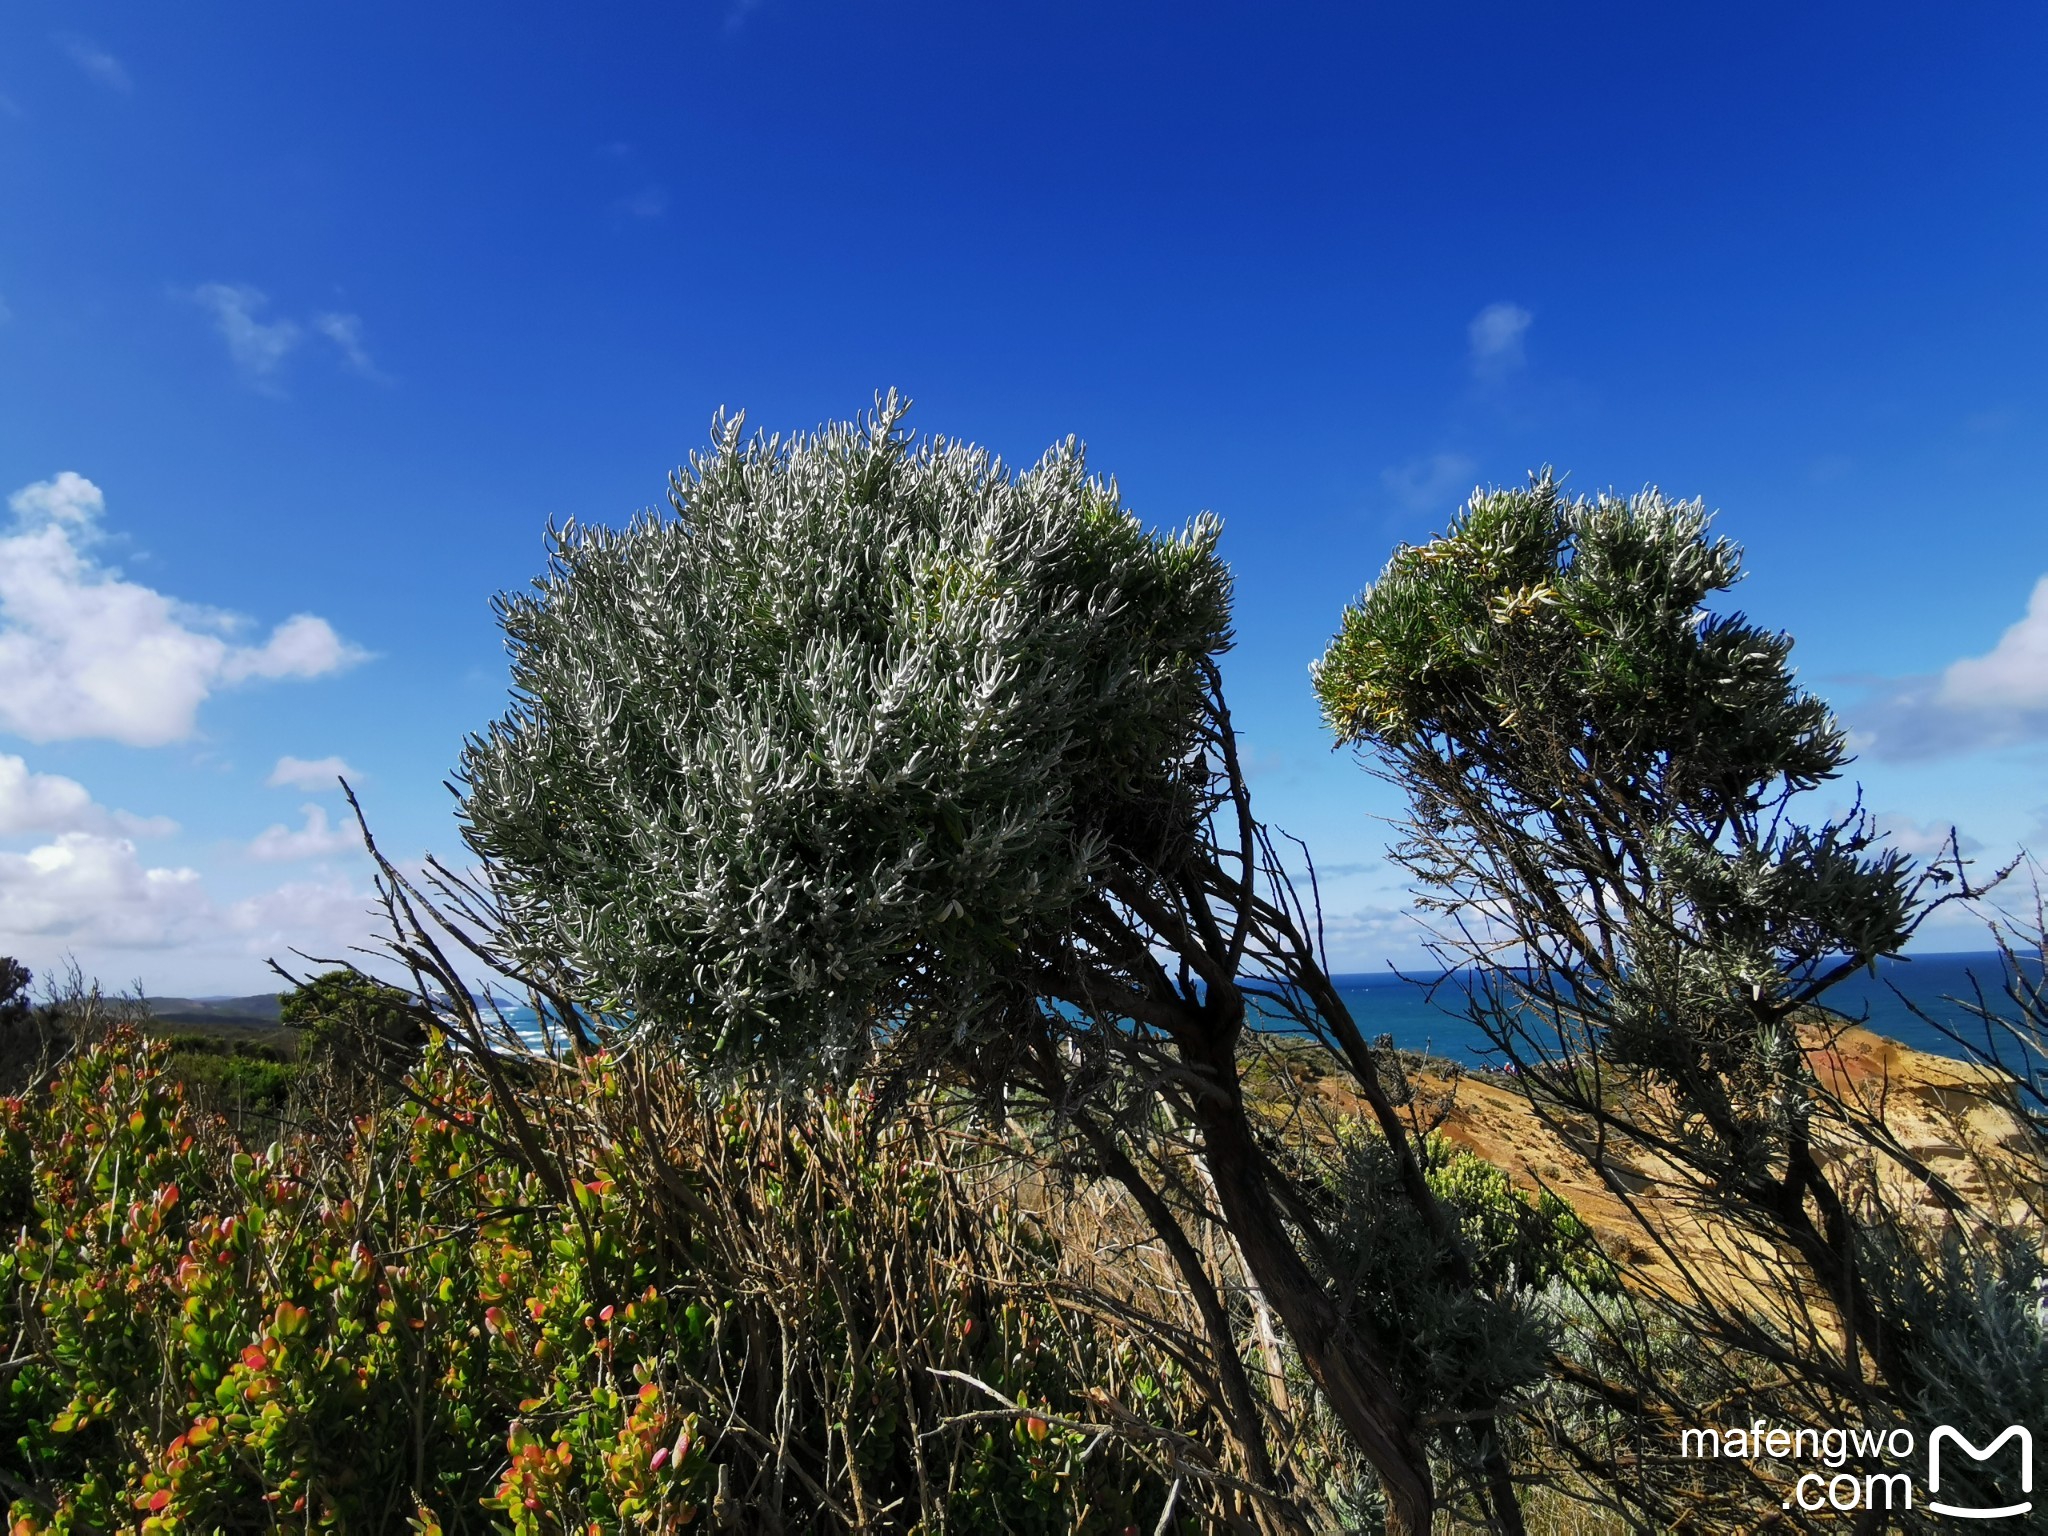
(216, 1336)
(401, 1329)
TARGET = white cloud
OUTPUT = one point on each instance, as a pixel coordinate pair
(84, 653)
(309, 773)
(1496, 334)
(300, 914)
(84, 888)
(258, 347)
(67, 497)
(1921, 840)
(346, 332)
(2014, 674)
(1437, 483)
(1367, 937)
(98, 64)
(315, 840)
(91, 898)
(302, 646)
(49, 802)
(1997, 699)
(85, 893)
(40, 802)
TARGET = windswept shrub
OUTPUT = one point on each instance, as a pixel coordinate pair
(876, 745)
(1611, 819)
(347, 1014)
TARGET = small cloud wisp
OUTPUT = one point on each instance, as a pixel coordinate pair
(1430, 484)
(309, 773)
(99, 66)
(346, 332)
(258, 347)
(1496, 336)
(315, 840)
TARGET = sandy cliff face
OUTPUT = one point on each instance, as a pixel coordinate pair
(1960, 1119)
(1962, 1150)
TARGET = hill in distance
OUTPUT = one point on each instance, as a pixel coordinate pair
(257, 1011)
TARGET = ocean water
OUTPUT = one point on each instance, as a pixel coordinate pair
(1387, 1005)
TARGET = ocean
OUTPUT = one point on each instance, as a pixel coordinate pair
(1387, 1005)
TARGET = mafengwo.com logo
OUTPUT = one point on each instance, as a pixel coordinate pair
(1944, 1434)
(1846, 1470)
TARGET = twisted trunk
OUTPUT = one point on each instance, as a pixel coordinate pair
(1357, 1386)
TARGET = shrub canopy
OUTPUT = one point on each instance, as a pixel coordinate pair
(1537, 622)
(1600, 762)
(844, 739)
(1599, 768)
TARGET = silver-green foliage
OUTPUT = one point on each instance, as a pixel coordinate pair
(845, 739)
(1600, 761)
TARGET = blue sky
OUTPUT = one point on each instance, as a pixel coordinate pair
(325, 311)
